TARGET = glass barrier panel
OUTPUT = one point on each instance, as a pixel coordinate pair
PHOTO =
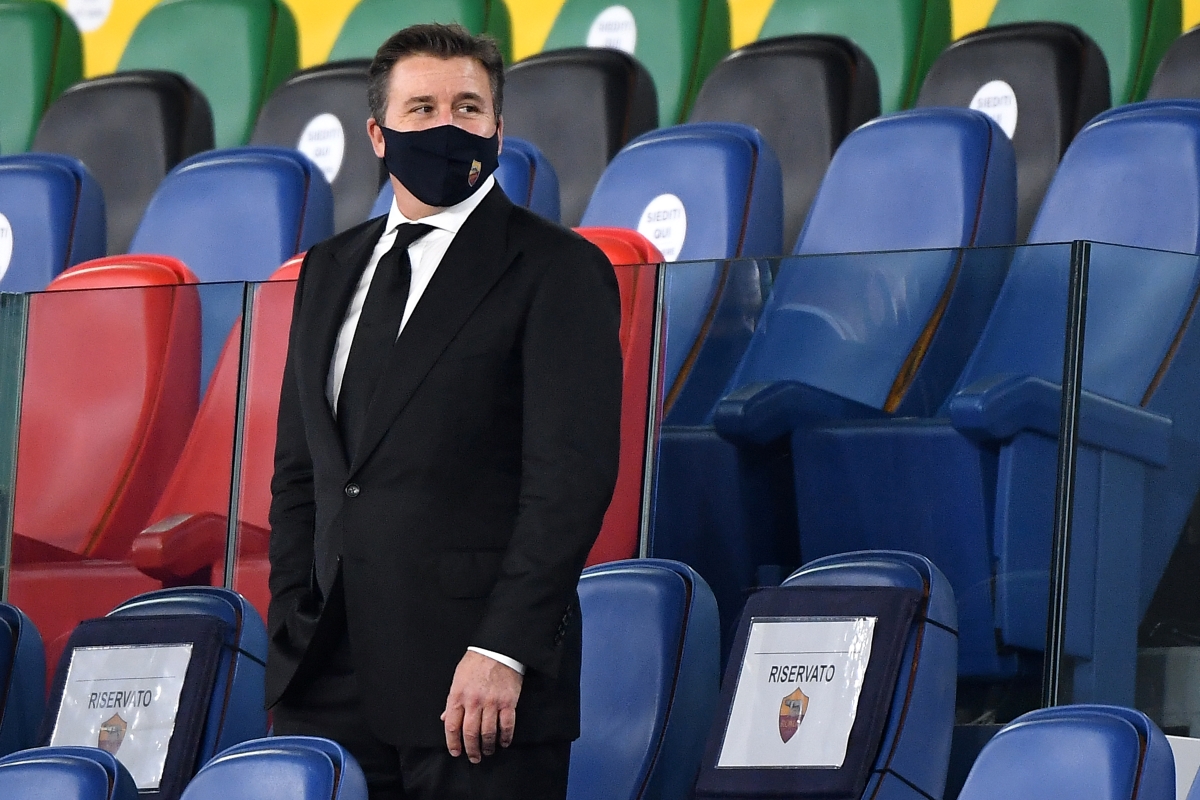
(116, 493)
(14, 311)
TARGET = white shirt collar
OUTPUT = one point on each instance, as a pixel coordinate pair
(448, 219)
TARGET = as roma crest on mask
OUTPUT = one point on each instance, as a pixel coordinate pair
(112, 733)
(791, 714)
(473, 175)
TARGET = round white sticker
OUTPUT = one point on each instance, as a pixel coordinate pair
(324, 141)
(998, 100)
(664, 222)
(613, 27)
(6, 244)
(89, 14)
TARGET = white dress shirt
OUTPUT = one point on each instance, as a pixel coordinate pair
(425, 255)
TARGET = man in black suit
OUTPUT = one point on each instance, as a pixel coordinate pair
(447, 447)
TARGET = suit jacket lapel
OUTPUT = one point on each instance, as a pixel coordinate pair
(477, 258)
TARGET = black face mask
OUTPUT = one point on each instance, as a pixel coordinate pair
(441, 166)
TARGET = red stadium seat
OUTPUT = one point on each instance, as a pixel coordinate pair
(625, 249)
(110, 391)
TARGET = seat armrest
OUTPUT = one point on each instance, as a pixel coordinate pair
(178, 547)
(760, 413)
(998, 408)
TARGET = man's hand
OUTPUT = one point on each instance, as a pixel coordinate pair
(481, 706)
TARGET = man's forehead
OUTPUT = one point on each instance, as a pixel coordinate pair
(418, 74)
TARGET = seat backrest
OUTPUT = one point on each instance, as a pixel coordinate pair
(611, 98)
(679, 41)
(902, 37)
(1133, 34)
(321, 111)
(350, 781)
(1042, 81)
(236, 51)
(40, 55)
(65, 773)
(528, 178)
(1178, 74)
(1131, 178)
(647, 691)
(237, 710)
(915, 749)
(299, 774)
(372, 21)
(22, 680)
(1075, 751)
(94, 122)
(51, 217)
(111, 381)
(804, 94)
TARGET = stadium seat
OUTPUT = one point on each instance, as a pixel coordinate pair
(130, 129)
(703, 190)
(647, 691)
(902, 37)
(22, 680)
(915, 750)
(51, 217)
(322, 112)
(523, 173)
(679, 41)
(1133, 34)
(1177, 75)
(65, 773)
(1075, 751)
(804, 94)
(1042, 81)
(611, 99)
(40, 55)
(299, 767)
(111, 382)
(235, 51)
(237, 711)
(628, 250)
(236, 215)
(185, 542)
(987, 458)
(927, 178)
(372, 21)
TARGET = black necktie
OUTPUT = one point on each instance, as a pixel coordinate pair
(378, 326)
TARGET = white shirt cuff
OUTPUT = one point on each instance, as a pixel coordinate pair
(511, 663)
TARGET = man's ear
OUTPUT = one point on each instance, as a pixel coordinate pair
(375, 132)
(499, 135)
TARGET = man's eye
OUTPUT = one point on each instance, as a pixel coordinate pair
(469, 109)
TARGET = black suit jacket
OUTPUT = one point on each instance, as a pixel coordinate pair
(487, 461)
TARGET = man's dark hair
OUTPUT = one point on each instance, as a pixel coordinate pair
(439, 41)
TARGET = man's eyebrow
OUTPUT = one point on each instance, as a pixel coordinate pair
(424, 98)
(468, 96)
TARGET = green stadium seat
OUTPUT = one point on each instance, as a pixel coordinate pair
(679, 41)
(40, 55)
(1133, 34)
(372, 21)
(235, 51)
(902, 37)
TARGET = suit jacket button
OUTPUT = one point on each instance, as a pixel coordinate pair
(352, 490)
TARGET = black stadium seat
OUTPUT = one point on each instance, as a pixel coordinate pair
(322, 112)
(804, 93)
(579, 106)
(130, 129)
(1178, 74)
(1042, 81)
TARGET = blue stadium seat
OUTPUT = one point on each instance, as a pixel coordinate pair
(51, 218)
(524, 174)
(236, 215)
(986, 460)
(237, 711)
(65, 773)
(704, 190)
(915, 750)
(22, 680)
(1075, 751)
(648, 691)
(930, 178)
(296, 767)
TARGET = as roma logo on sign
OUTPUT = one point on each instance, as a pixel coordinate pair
(112, 733)
(791, 714)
